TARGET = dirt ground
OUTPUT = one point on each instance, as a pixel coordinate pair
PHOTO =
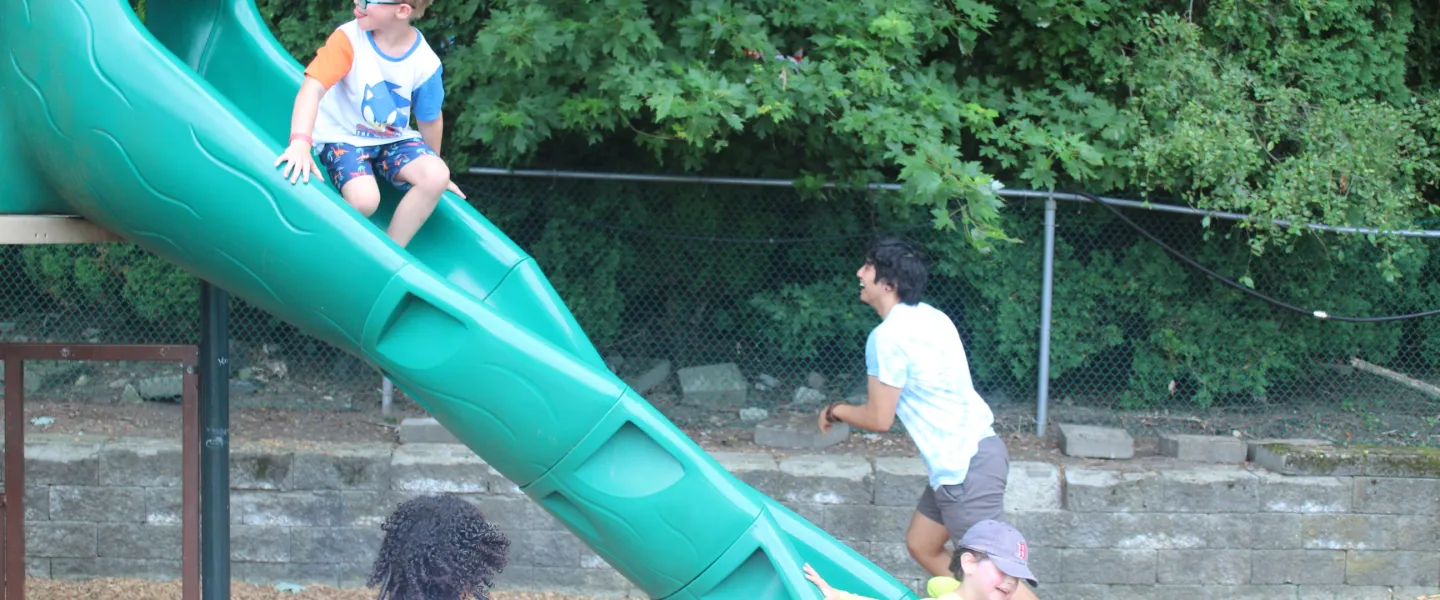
(83, 419)
(134, 589)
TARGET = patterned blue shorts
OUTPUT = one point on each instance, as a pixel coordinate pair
(345, 162)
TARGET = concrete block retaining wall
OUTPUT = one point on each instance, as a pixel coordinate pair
(310, 513)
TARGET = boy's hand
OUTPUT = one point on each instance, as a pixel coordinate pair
(300, 162)
(455, 188)
(820, 584)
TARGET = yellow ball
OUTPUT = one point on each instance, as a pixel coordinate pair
(939, 586)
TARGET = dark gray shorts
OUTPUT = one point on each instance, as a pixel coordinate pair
(980, 497)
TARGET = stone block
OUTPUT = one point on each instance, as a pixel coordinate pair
(516, 513)
(425, 430)
(745, 462)
(1251, 446)
(342, 467)
(838, 479)
(894, 558)
(135, 540)
(366, 508)
(899, 481)
(1367, 567)
(164, 386)
(1309, 567)
(649, 377)
(1361, 592)
(286, 509)
(55, 461)
(37, 503)
(334, 544)
(1309, 459)
(439, 468)
(1203, 567)
(1417, 533)
(1299, 494)
(714, 386)
(565, 580)
(867, 523)
(353, 575)
(1103, 490)
(558, 549)
(1396, 496)
(98, 504)
(60, 540)
(800, 432)
(255, 466)
(1032, 486)
(1414, 462)
(1211, 490)
(36, 567)
(260, 544)
(1116, 531)
(265, 573)
(1089, 441)
(1228, 592)
(141, 462)
(1203, 448)
(1275, 531)
(148, 569)
(1349, 532)
(1133, 567)
(162, 506)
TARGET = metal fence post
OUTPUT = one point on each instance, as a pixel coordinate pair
(1047, 271)
(215, 453)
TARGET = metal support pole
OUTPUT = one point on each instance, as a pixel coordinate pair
(1042, 399)
(14, 479)
(215, 453)
(387, 396)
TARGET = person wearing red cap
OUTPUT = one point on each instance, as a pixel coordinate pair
(990, 562)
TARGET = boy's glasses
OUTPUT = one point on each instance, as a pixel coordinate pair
(364, 4)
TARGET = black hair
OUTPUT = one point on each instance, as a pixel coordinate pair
(900, 264)
(955, 560)
(438, 548)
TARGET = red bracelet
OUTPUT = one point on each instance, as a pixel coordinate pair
(301, 136)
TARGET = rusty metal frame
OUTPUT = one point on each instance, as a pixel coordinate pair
(12, 500)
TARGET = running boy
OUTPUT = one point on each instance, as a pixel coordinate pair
(917, 370)
(372, 75)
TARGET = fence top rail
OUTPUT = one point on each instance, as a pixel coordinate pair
(183, 354)
(1007, 193)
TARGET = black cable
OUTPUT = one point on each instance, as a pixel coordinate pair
(1319, 314)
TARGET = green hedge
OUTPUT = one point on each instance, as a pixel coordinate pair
(1305, 111)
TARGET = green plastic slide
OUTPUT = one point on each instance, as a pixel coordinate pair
(167, 136)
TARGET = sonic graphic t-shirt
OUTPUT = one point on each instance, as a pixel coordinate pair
(370, 96)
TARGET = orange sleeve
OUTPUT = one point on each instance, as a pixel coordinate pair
(332, 61)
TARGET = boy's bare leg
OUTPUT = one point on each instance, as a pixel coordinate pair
(926, 542)
(362, 194)
(428, 177)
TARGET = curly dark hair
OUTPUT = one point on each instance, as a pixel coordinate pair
(438, 548)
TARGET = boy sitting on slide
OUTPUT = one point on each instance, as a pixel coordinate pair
(359, 93)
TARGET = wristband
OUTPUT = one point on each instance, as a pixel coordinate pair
(830, 413)
(301, 136)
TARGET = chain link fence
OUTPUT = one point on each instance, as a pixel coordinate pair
(669, 277)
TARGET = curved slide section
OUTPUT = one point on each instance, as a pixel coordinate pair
(169, 139)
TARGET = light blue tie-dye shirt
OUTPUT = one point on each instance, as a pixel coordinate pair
(918, 350)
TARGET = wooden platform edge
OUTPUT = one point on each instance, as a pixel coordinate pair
(52, 229)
